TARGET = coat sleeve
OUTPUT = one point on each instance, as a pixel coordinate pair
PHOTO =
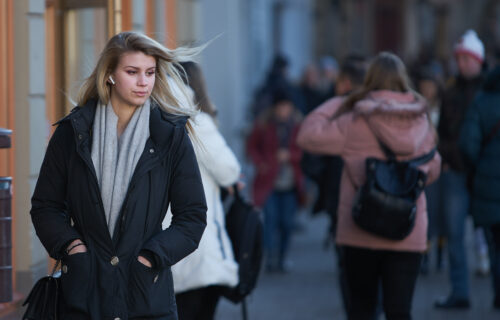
(431, 168)
(471, 136)
(214, 154)
(253, 146)
(320, 134)
(188, 205)
(49, 212)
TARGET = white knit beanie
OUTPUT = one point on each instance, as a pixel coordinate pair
(470, 44)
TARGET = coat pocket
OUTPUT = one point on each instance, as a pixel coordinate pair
(150, 292)
(75, 281)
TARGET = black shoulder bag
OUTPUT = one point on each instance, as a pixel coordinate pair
(244, 227)
(386, 204)
(44, 298)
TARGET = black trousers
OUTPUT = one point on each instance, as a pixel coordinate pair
(198, 304)
(369, 273)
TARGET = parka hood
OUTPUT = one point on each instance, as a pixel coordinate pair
(398, 120)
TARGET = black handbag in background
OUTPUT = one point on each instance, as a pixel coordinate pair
(244, 227)
(44, 298)
(386, 204)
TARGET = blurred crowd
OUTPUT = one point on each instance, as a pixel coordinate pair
(461, 97)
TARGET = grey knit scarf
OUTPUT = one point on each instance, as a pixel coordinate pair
(115, 157)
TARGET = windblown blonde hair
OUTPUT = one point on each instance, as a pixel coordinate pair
(96, 86)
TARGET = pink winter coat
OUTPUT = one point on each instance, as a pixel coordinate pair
(400, 121)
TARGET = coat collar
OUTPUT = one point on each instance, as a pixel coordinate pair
(161, 123)
(390, 102)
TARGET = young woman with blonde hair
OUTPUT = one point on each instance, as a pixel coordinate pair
(385, 109)
(111, 169)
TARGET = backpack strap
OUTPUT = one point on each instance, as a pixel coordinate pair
(416, 161)
(387, 151)
(424, 158)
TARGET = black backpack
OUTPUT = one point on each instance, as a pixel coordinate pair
(386, 204)
(244, 227)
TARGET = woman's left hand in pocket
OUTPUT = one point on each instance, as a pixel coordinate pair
(144, 261)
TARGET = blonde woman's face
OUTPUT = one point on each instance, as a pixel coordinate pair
(134, 79)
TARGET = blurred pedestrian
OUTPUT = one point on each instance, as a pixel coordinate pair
(469, 53)
(111, 169)
(350, 79)
(326, 170)
(480, 144)
(278, 80)
(278, 181)
(200, 278)
(430, 87)
(385, 109)
(329, 70)
(310, 88)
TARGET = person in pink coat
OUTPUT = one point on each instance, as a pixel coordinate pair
(387, 109)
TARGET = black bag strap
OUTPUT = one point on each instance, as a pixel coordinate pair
(415, 161)
(244, 311)
(237, 194)
(387, 151)
(55, 268)
(424, 158)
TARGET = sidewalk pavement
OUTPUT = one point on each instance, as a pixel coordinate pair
(311, 292)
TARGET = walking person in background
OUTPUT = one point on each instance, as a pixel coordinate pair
(326, 170)
(278, 182)
(480, 144)
(329, 70)
(309, 87)
(385, 109)
(111, 169)
(429, 86)
(200, 277)
(277, 80)
(469, 53)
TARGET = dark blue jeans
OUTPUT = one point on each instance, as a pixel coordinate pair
(279, 213)
(371, 272)
(455, 199)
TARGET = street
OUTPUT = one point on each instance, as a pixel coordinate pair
(310, 291)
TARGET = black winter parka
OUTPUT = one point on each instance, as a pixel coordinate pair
(107, 282)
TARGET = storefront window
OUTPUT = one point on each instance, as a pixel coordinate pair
(85, 36)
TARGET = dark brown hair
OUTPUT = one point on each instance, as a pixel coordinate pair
(196, 81)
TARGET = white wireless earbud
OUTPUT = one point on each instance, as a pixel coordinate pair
(111, 79)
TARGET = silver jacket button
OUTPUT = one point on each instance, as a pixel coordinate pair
(114, 261)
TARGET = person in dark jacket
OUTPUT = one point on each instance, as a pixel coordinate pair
(111, 169)
(480, 144)
(469, 53)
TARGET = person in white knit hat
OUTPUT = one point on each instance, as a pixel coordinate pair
(469, 54)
